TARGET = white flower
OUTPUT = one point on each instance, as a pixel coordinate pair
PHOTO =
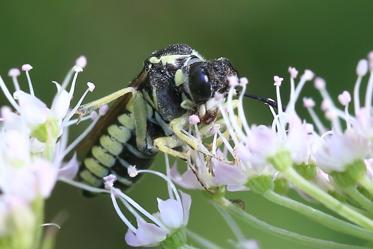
(337, 151)
(33, 142)
(262, 142)
(173, 213)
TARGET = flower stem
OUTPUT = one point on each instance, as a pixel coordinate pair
(205, 243)
(283, 163)
(327, 200)
(367, 184)
(38, 209)
(280, 232)
(188, 247)
(360, 198)
(319, 216)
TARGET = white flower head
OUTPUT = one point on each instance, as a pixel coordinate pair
(337, 151)
(172, 215)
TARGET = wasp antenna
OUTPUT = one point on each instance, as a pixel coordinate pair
(267, 101)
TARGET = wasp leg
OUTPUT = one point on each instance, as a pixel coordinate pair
(177, 125)
(96, 104)
(167, 145)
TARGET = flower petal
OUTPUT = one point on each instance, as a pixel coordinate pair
(70, 169)
(32, 109)
(46, 176)
(186, 201)
(226, 174)
(171, 213)
(147, 234)
(61, 102)
(187, 180)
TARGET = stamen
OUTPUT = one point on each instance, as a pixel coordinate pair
(194, 120)
(139, 208)
(26, 68)
(131, 209)
(278, 81)
(228, 123)
(91, 116)
(77, 70)
(241, 112)
(226, 143)
(83, 186)
(233, 81)
(168, 173)
(73, 111)
(369, 91)
(120, 214)
(244, 81)
(309, 105)
(307, 76)
(132, 171)
(14, 73)
(332, 112)
(81, 61)
(232, 116)
(109, 181)
(293, 74)
(8, 95)
(214, 130)
(345, 98)
(333, 117)
(80, 137)
(63, 142)
(361, 71)
(165, 178)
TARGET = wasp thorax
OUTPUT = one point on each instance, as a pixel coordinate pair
(209, 77)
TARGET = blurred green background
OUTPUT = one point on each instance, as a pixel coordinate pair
(262, 38)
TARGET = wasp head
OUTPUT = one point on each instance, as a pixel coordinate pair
(205, 79)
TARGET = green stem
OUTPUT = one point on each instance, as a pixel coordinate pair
(360, 198)
(188, 247)
(205, 243)
(319, 216)
(367, 184)
(38, 209)
(280, 232)
(329, 201)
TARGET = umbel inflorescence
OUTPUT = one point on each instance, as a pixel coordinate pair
(327, 158)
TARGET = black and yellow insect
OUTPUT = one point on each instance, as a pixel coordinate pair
(151, 114)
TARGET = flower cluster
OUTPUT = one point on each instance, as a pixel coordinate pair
(33, 144)
(331, 164)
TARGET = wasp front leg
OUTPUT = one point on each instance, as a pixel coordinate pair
(88, 108)
(167, 145)
(177, 126)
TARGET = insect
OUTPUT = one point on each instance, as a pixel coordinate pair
(152, 112)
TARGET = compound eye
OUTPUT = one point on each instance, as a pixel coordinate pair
(199, 85)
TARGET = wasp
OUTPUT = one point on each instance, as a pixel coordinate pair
(151, 114)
